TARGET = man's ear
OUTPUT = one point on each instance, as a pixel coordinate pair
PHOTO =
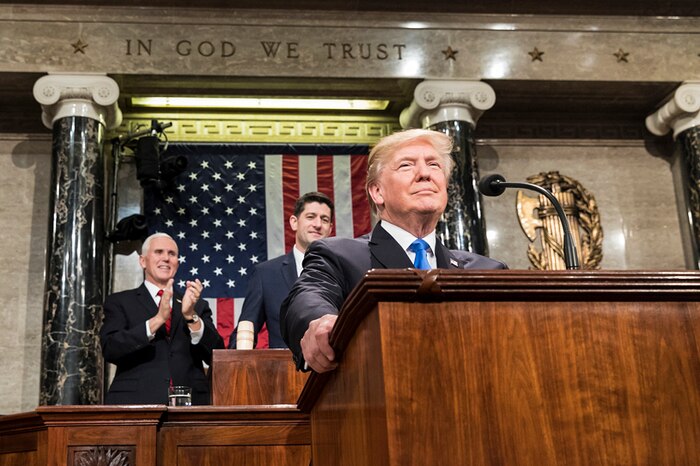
(293, 222)
(142, 262)
(375, 192)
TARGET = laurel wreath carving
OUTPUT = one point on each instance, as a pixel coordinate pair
(589, 220)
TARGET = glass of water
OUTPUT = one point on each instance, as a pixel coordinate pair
(179, 395)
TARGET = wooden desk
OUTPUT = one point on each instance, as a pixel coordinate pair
(156, 435)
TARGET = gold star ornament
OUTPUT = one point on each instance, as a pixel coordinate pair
(450, 54)
(79, 46)
(621, 56)
(536, 55)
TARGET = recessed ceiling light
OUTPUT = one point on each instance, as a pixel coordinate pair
(261, 103)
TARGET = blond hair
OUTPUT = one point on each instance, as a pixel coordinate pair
(388, 145)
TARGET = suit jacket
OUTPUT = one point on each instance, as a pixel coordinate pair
(145, 368)
(267, 288)
(332, 268)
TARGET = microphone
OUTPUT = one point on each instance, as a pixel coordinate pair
(495, 185)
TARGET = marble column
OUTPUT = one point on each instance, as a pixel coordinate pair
(681, 114)
(454, 107)
(79, 108)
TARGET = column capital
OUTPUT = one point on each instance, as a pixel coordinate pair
(79, 94)
(680, 112)
(438, 100)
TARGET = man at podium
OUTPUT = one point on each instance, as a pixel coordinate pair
(407, 177)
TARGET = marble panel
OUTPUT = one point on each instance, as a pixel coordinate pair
(230, 43)
(633, 188)
(24, 189)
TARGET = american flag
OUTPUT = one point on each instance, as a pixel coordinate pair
(229, 210)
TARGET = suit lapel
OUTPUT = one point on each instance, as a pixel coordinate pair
(145, 300)
(443, 257)
(289, 269)
(385, 252)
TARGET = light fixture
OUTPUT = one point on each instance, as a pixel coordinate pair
(260, 103)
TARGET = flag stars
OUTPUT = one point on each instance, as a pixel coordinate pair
(193, 246)
(217, 223)
(241, 200)
(205, 259)
(169, 223)
(252, 188)
(204, 187)
(253, 235)
(205, 210)
(193, 222)
(216, 176)
(169, 199)
(251, 165)
(243, 271)
(241, 247)
(218, 271)
(253, 211)
(228, 188)
(229, 210)
(241, 223)
(228, 164)
(205, 283)
(254, 259)
(181, 235)
(181, 211)
(193, 176)
(204, 164)
(194, 271)
(156, 211)
(240, 176)
(218, 247)
(230, 259)
(231, 283)
(181, 283)
(181, 188)
(193, 199)
(217, 199)
(182, 259)
(229, 235)
(205, 234)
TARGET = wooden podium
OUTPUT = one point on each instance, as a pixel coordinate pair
(512, 368)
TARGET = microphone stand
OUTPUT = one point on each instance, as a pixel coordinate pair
(497, 184)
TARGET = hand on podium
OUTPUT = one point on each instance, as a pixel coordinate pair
(315, 345)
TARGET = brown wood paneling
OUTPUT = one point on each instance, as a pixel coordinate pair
(251, 435)
(255, 377)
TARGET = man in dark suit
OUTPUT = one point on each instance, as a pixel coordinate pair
(271, 280)
(155, 336)
(407, 177)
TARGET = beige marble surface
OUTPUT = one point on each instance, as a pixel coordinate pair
(25, 164)
(633, 188)
(208, 42)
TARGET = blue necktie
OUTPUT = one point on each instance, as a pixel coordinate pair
(420, 247)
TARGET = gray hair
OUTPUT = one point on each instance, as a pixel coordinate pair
(147, 242)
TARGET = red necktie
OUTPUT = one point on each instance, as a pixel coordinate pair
(167, 322)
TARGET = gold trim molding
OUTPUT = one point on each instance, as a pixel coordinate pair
(268, 128)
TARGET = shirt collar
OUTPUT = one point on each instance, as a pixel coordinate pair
(405, 238)
(298, 259)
